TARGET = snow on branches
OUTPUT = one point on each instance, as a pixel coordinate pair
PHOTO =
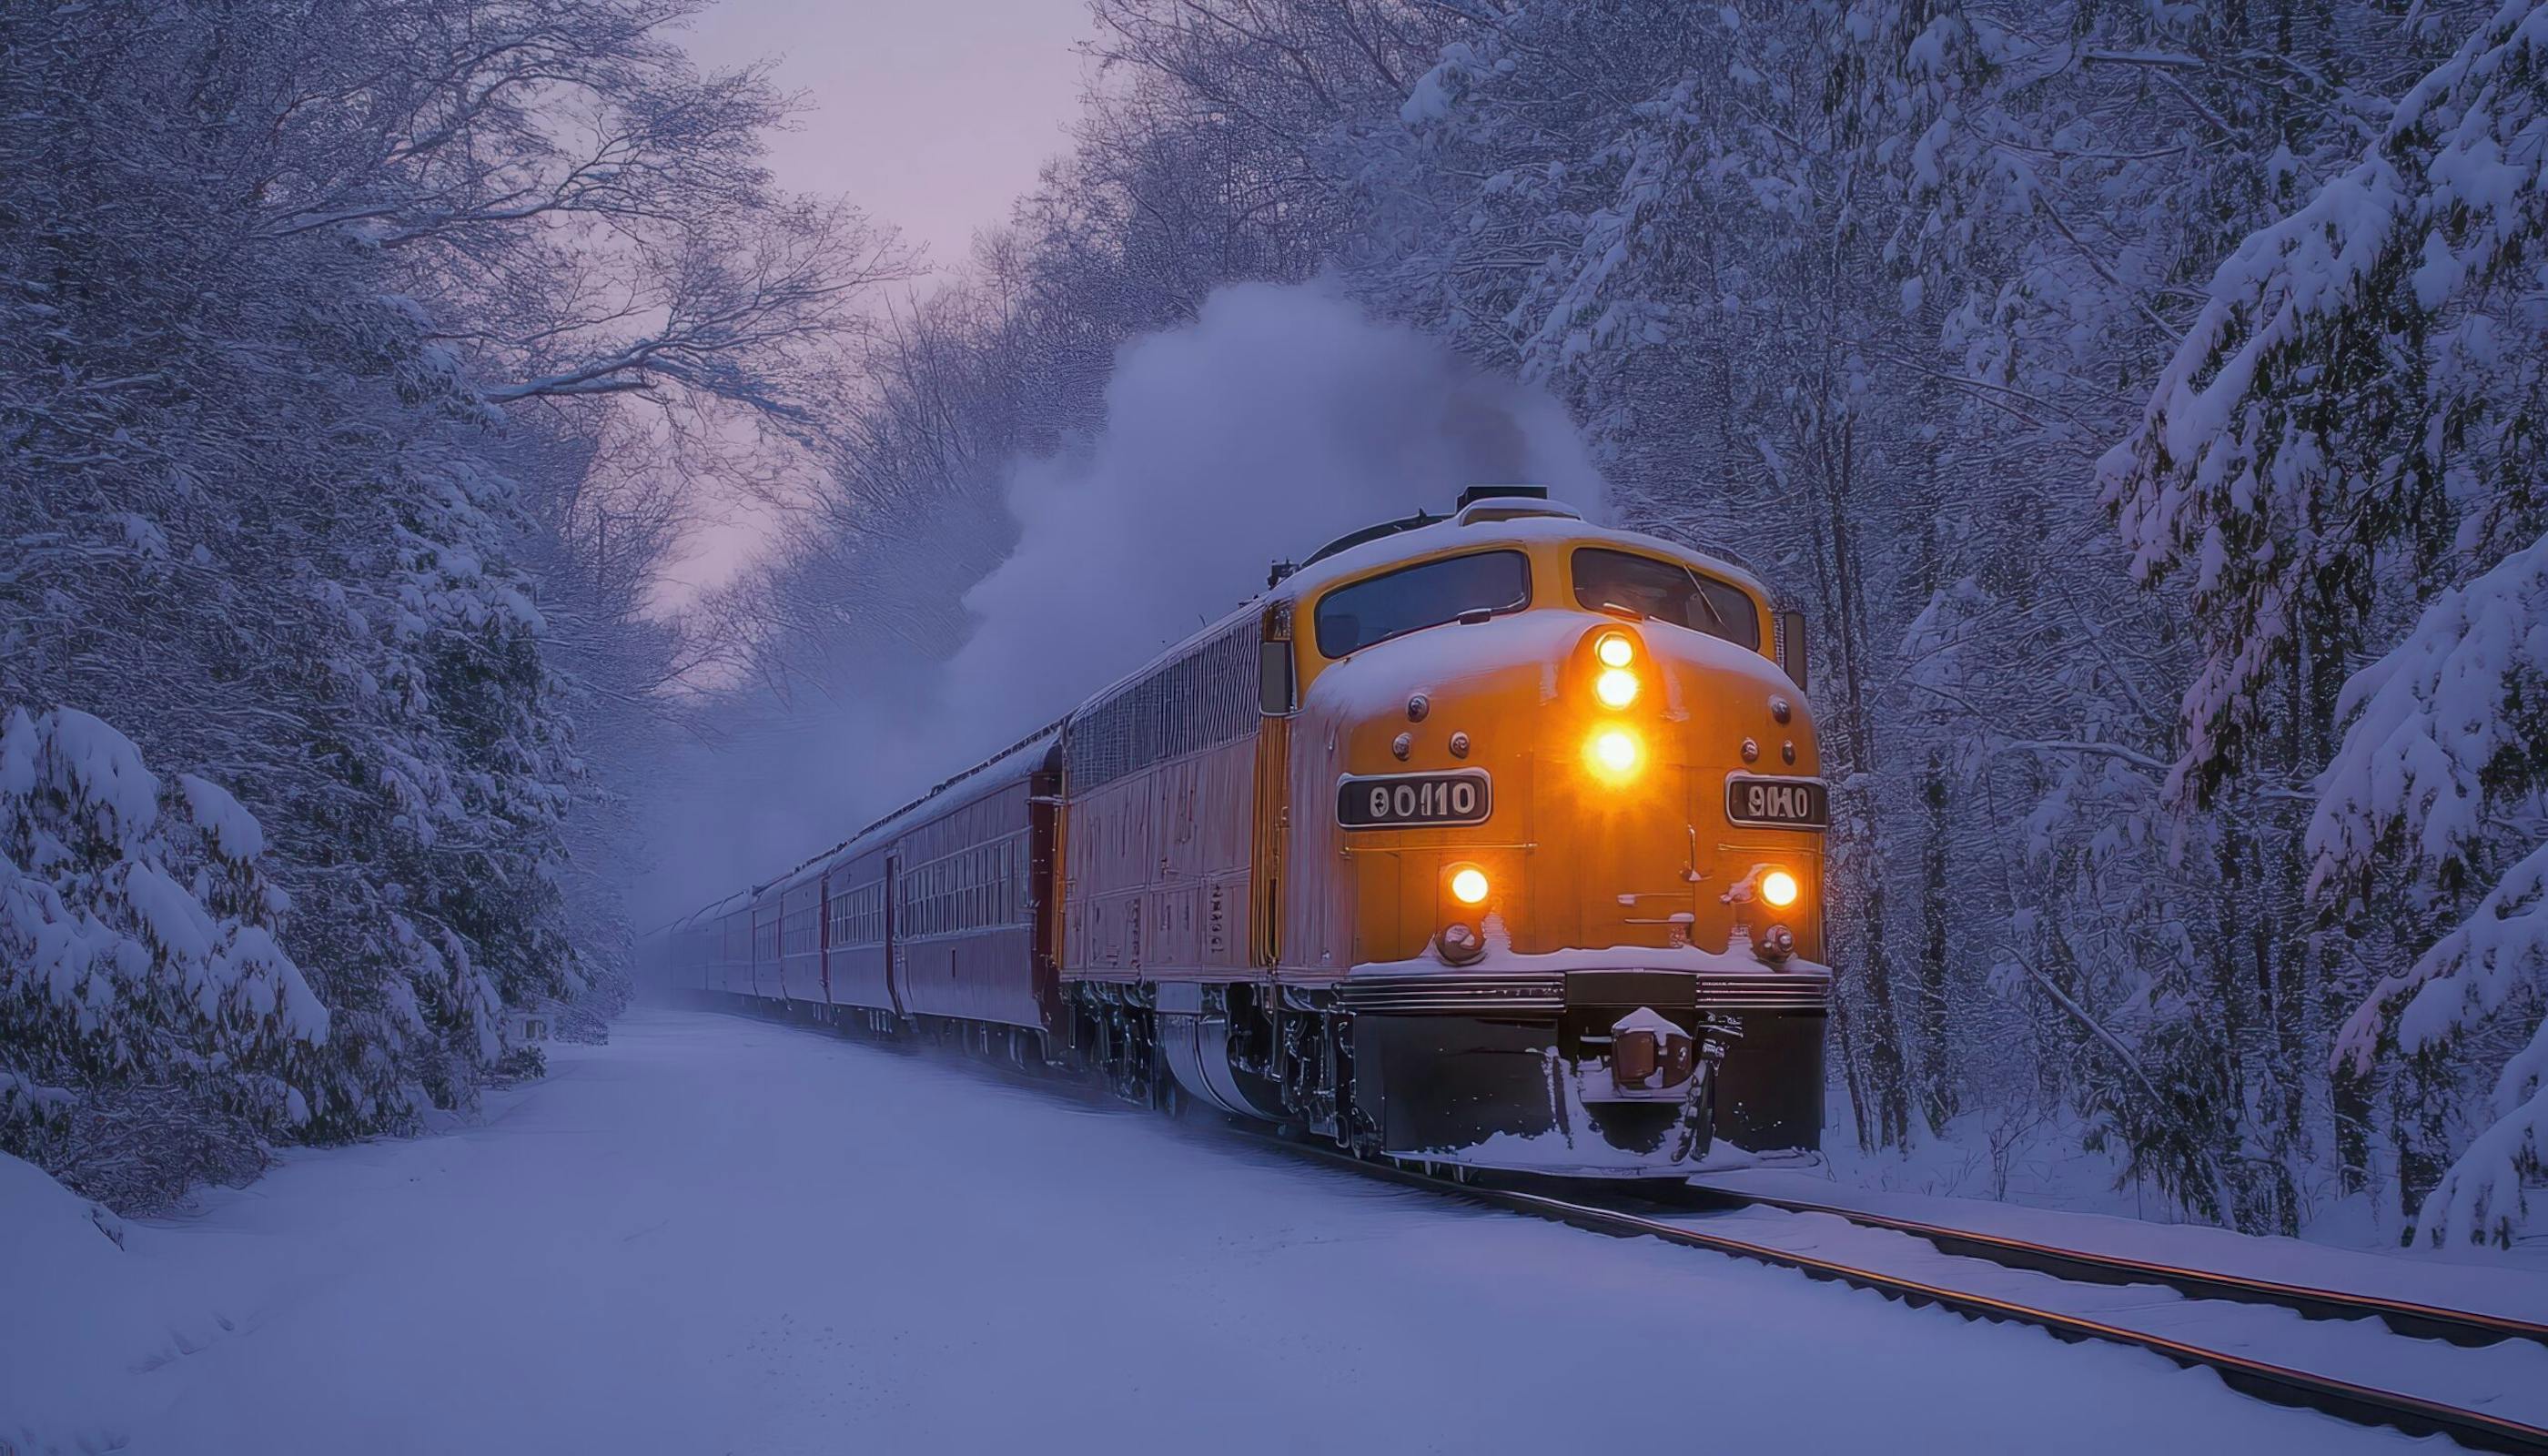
(2448, 761)
(2445, 732)
(2498, 958)
(138, 949)
(2351, 436)
(2346, 382)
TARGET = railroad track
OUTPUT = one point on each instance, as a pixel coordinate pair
(2466, 1328)
(2282, 1385)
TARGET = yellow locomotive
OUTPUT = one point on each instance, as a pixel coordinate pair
(1492, 840)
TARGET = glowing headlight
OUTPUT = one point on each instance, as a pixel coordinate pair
(1617, 687)
(1468, 885)
(1778, 888)
(1615, 751)
(1615, 650)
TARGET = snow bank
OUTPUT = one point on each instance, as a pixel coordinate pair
(80, 1317)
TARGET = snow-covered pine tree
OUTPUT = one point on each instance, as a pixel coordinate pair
(2350, 438)
(2444, 768)
(152, 1031)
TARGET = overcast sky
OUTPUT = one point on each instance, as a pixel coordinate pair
(932, 115)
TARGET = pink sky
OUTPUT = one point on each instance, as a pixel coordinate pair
(932, 115)
(929, 114)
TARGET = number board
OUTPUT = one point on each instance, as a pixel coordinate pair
(1777, 803)
(1413, 801)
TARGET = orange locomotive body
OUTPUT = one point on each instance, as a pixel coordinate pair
(1488, 841)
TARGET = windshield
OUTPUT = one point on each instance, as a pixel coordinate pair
(1665, 591)
(1419, 596)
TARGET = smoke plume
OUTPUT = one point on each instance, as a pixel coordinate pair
(1279, 419)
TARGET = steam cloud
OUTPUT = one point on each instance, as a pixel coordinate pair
(1280, 419)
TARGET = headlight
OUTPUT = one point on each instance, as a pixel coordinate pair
(1469, 885)
(1617, 687)
(1778, 889)
(1615, 751)
(1615, 650)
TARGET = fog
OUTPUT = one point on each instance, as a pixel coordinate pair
(1281, 417)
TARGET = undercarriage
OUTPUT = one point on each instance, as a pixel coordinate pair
(1583, 1073)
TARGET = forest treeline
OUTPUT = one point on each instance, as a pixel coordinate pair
(2144, 404)
(358, 365)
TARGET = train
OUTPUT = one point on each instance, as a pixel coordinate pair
(1489, 840)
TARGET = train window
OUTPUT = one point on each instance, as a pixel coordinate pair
(1355, 616)
(1665, 591)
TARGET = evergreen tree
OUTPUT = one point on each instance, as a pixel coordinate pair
(152, 1029)
(2349, 437)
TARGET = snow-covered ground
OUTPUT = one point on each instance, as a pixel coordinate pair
(718, 1236)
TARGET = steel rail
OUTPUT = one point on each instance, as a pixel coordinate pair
(2404, 1316)
(2279, 1384)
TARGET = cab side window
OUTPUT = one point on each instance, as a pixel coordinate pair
(1427, 595)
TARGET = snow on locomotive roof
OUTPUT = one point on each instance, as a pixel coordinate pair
(1491, 530)
(1245, 611)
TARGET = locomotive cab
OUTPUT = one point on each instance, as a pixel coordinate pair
(1564, 808)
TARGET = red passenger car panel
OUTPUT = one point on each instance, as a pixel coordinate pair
(858, 914)
(964, 934)
(765, 945)
(800, 939)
